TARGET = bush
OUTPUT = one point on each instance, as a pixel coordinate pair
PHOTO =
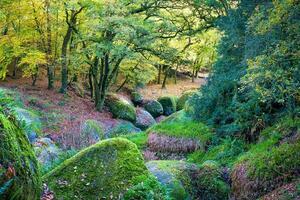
(168, 103)
(184, 98)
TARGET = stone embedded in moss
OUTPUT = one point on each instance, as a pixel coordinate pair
(154, 108)
(183, 99)
(102, 171)
(137, 98)
(33, 124)
(91, 132)
(144, 119)
(121, 108)
(175, 176)
(168, 103)
(19, 169)
(122, 128)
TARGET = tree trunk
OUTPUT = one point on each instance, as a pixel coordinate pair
(50, 70)
(122, 85)
(193, 75)
(175, 74)
(165, 78)
(64, 63)
(159, 74)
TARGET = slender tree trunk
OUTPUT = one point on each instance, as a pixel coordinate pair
(193, 75)
(122, 85)
(165, 78)
(159, 74)
(64, 63)
(175, 74)
(49, 47)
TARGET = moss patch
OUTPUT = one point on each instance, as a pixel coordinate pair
(183, 99)
(103, 171)
(19, 169)
(140, 139)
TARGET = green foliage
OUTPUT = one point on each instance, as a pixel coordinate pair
(104, 170)
(168, 103)
(148, 189)
(22, 177)
(210, 184)
(184, 98)
(225, 153)
(180, 125)
(256, 77)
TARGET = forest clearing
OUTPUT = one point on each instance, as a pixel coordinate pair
(150, 100)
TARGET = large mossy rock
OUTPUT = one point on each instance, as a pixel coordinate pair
(121, 108)
(144, 119)
(154, 108)
(169, 104)
(137, 98)
(19, 169)
(102, 171)
(175, 176)
(91, 132)
(32, 122)
(183, 99)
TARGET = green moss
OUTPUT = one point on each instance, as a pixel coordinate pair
(22, 177)
(209, 183)
(180, 125)
(154, 108)
(120, 108)
(183, 99)
(122, 129)
(103, 171)
(148, 189)
(136, 97)
(168, 103)
(225, 154)
(175, 176)
(140, 139)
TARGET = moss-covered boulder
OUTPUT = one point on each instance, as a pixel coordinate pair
(122, 128)
(121, 108)
(19, 169)
(154, 108)
(91, 132)
(175, 176)
(144, 119)
(168, 103)
(137, 98)
(46, 151)
(183, 99)
(209, 182)
(105, 170)
(32, 122)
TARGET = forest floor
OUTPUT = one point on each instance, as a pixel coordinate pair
(63, 115)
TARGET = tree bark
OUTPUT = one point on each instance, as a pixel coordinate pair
(159, 74)
(50, 70)
(164, 84)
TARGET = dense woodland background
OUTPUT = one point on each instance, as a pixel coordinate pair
(235, 137)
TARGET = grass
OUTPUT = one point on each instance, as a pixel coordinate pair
(140, 139)
(181, 126)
